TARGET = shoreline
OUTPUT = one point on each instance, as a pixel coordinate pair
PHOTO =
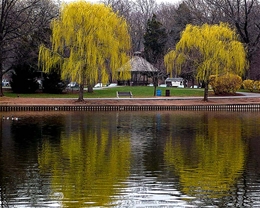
(130, 104)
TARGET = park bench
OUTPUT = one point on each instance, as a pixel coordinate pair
(127, 94)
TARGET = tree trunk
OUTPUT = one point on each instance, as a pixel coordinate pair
(155, 84)
(1, 75)
(206, 92)
(1, 88)
(81, 92)
(90, 88)
(154, 91)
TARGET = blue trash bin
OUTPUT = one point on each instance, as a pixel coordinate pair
(158, 92)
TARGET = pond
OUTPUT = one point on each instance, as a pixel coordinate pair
(130, 159)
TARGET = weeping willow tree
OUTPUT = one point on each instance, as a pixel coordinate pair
(210, 50)
(89, 43)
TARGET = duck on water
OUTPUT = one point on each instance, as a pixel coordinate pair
(10, 118)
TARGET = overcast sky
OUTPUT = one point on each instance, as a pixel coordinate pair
(158, 1)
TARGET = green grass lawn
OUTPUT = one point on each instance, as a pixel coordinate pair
(137, 91)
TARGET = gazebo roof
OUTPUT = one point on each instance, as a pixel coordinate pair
(139, 64)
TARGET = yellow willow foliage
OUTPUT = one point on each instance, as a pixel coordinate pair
(218, 156)
(89, 42)
(213, 49)
(83, 163)
(170, 59)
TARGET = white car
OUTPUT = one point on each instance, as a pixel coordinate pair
(5, 83)
(112, 85)
(180, 86)
(98, 85)
(163, 85)
(73, 84)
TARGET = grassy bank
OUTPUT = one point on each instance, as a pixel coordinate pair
(137, 91)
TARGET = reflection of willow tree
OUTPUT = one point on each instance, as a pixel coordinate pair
(210, 166)
(87, 166)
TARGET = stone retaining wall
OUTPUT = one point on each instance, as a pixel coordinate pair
(220, 107)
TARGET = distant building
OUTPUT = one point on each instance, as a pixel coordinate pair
(175, 82)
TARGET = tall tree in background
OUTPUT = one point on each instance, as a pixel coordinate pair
(14, 15)
(155, 39)
(124, 7)
(24, 79)
(182, 17)
(166, 15)
(89, 43)
(141, 12)
(138, 12)
(26, 46)
(212, 49)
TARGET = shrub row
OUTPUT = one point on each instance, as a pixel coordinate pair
(225, 84)
(251, 85)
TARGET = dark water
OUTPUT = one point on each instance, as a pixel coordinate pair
(130, 159)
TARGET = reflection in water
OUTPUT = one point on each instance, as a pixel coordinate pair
(215, 158)
(130, 159)
(88, 164)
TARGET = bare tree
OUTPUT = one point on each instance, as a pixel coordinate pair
(20, 20)
(146, 8)
(27, 44)
(137, 14)
(124, 7)
(166, 14)
(204, 12)
(128, 9)
(141, 12)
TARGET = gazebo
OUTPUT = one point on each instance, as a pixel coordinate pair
(141, 71)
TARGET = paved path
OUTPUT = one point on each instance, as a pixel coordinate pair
(242, 95)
